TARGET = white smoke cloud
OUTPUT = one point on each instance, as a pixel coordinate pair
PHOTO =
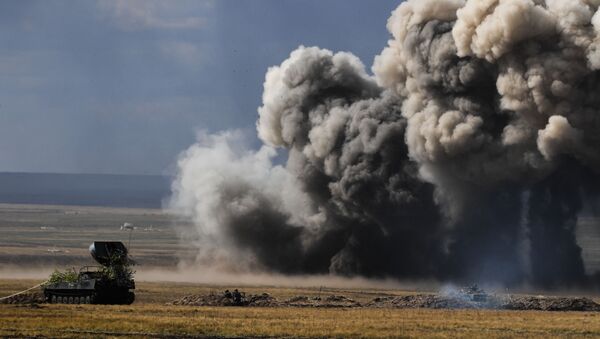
(559, 137)
(219, 161)
(489, 28)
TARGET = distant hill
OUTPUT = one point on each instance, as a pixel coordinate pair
(136, 191)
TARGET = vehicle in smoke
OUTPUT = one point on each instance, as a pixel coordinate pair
(109, 283)
(473, 293)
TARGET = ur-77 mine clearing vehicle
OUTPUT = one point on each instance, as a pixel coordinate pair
(110, 283)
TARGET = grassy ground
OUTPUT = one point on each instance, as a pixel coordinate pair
(31, 235)
(150, 317)
(158, 320)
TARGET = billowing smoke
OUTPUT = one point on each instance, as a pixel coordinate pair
(468, 155)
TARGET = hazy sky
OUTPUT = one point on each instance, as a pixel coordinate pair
(114, 86)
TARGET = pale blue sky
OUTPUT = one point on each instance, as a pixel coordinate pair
(122, 86)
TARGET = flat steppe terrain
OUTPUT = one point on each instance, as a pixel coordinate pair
(151, 316)
(59, 236)
(36, 239)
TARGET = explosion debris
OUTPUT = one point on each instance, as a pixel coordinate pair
(468, 154)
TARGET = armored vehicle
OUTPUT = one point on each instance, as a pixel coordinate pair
(474, 293)
(109, 283)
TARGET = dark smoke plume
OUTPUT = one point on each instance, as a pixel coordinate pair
(466, 156)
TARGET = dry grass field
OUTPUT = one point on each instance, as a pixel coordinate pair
(30, 231)
(150, 316)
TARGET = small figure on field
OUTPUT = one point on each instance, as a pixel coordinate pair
(237, 297)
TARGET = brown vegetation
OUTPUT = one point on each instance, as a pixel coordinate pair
(150, 317)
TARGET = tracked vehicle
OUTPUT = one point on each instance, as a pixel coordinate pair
(474, 293)
(109, 283)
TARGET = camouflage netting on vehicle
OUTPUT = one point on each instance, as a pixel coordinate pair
(69, 275)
